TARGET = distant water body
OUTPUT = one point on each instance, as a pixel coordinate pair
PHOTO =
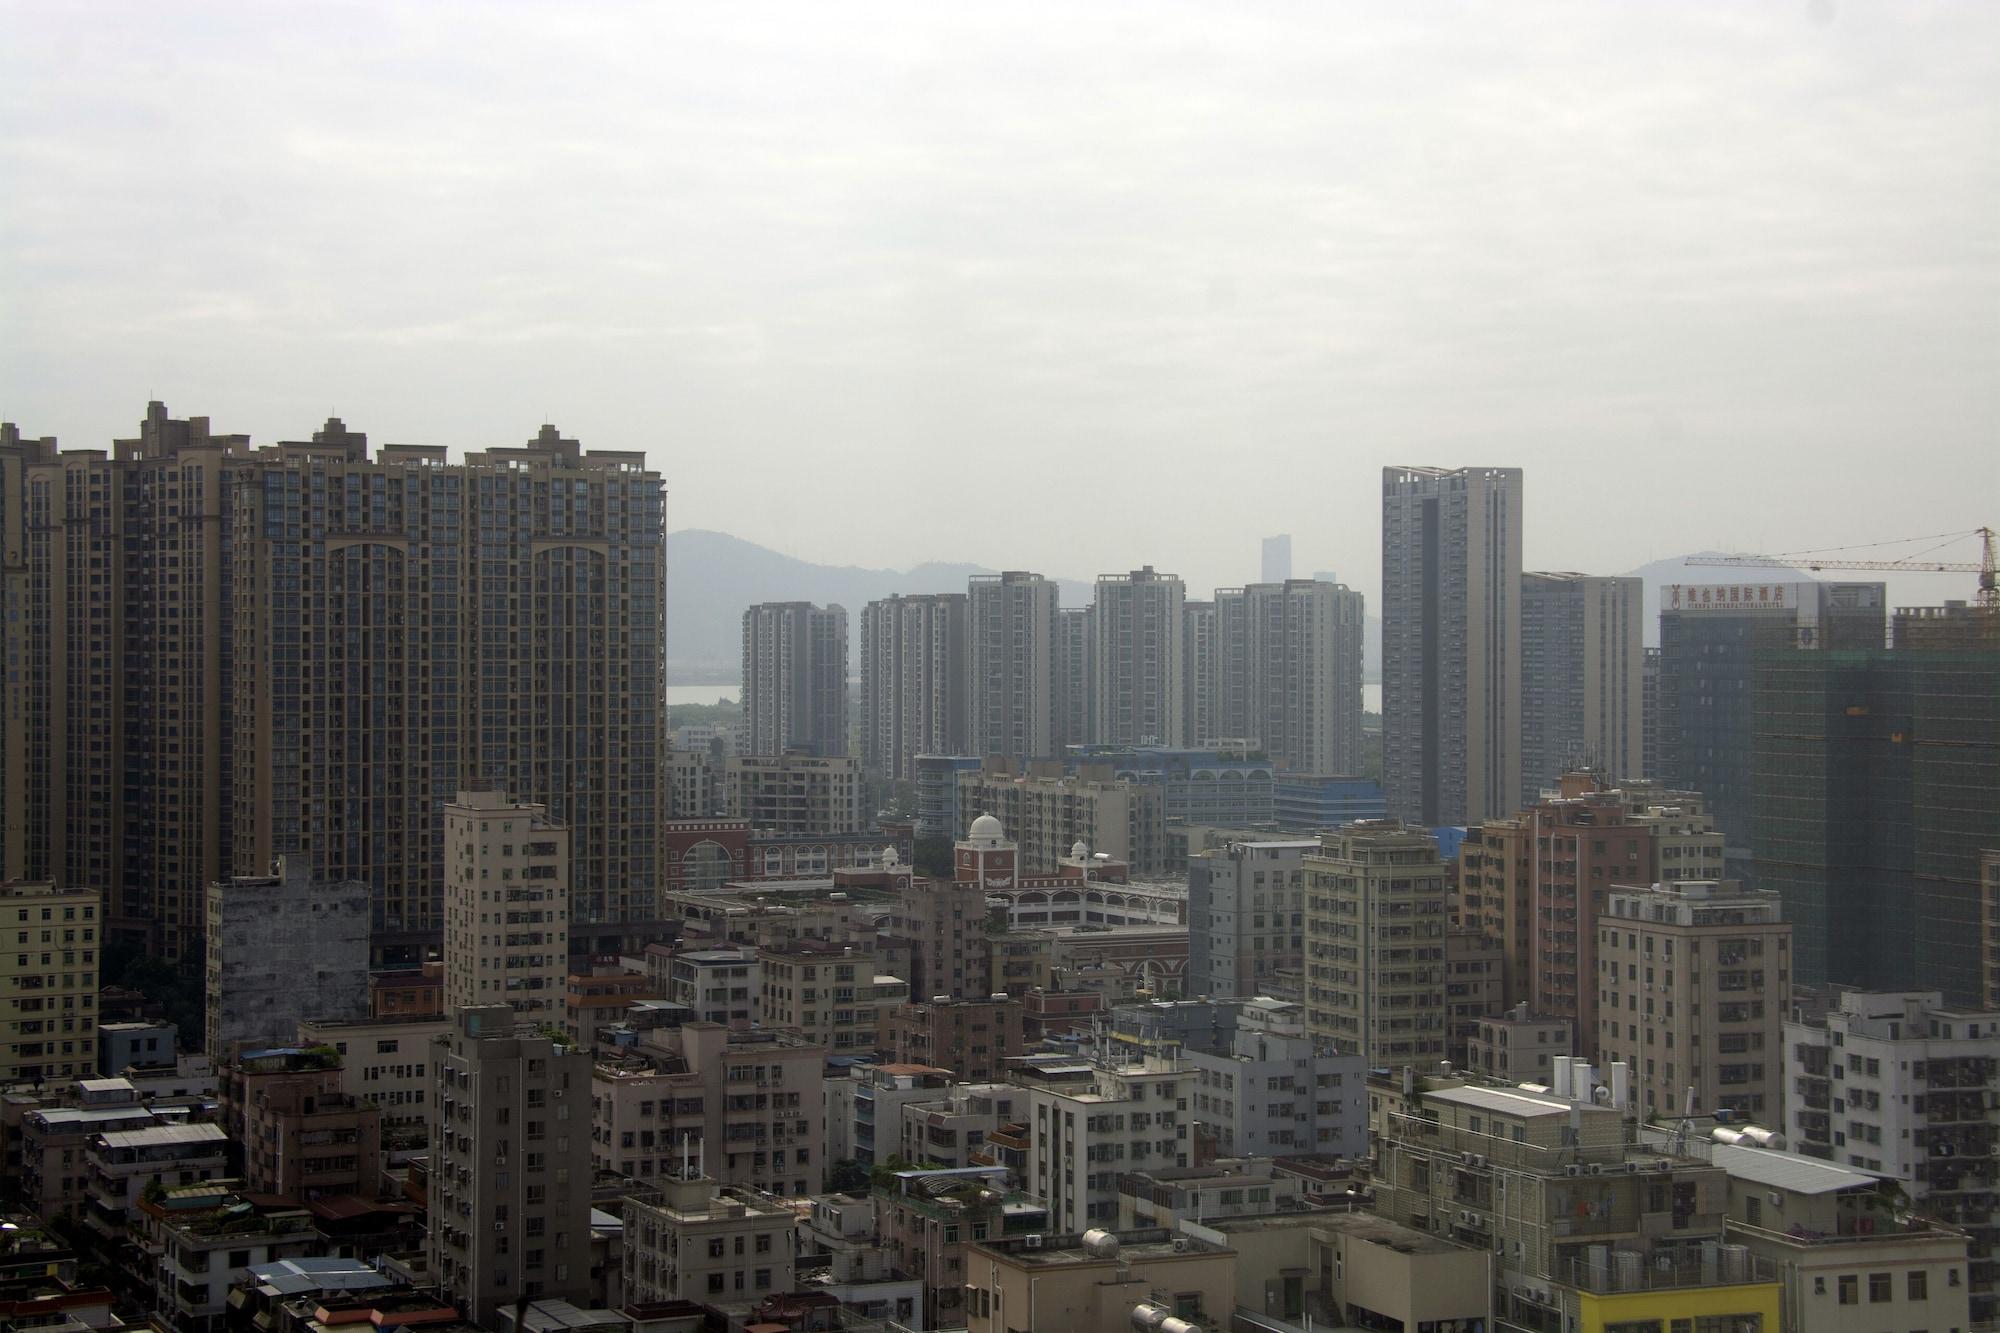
(1371, 695)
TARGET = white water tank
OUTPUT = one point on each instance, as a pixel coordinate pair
(1147, 1318)
(1736, 1263)
(1100, 1244)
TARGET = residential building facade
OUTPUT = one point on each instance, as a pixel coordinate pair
(1137, 628)
(1246, 915)
(1901, 1085)
(916, 675)
(1451, 643)
(1014, 692)
(794, 679)
(1695, 978)
(49, 945)
(510, 1177)
(506, 905)
(795, 794)
(1582, 677)
(1375, 926)
(283, 948)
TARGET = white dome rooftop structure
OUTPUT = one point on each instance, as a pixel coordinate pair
(986, 829)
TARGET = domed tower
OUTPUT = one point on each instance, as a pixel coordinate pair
(984, 856)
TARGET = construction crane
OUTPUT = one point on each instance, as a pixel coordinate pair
(1988, 596)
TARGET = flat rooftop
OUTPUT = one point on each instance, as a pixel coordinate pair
(1511, 1101)
(1375, 1230)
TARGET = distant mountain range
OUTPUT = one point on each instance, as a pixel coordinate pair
(712, 576)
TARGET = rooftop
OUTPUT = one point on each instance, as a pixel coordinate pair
(158, 1135)
(1147, 1243)
(1510, 1101)
(1789, 1171)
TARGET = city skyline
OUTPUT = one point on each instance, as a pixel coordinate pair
(1743, 248)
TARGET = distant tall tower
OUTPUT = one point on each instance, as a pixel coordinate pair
(1229, 710)
(1582, 678)
(1301, 673)
(1451, 643)
(915, 670)
(795, 678)
(1075, 674)
(1139, 628)
(1277, 558)
(1199, 668)
(1014, 702)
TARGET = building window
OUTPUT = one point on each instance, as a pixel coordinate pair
(1920, 1285)
(1850, 1289)
(1880, 1288)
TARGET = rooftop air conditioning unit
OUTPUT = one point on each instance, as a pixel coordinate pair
(1572, 1170)
(1033, 1242)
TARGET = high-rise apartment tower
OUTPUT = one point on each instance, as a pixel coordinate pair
(1451, 642)
(795, 678)
(1014, 696)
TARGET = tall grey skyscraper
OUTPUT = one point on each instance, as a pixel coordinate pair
(916, 674)
(1582, 677)
(1075, 674)
(1302, 673)
(1451, 643)
(1139, 628)
(795, 678)
(1014, 704)
(1277, 558)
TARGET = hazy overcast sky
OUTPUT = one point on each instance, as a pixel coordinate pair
(1070, 287)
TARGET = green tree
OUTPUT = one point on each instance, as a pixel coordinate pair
(933, 857)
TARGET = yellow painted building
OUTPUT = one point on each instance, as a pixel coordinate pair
(1750, 1307)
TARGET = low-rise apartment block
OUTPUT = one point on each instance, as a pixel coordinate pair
(1520, 1046)
(747, 1105)
(1586, 1228)
(1246, 915)
(723, 986)
(1898, 1084)
(974, 1039)
(385, 1062)
(1376, 919)
(833, 994)
(1089, 1122)
(49, 941)
(794, 794)
(1695, 977)
(690, 1238)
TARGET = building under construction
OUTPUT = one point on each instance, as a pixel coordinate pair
(1875, 791)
